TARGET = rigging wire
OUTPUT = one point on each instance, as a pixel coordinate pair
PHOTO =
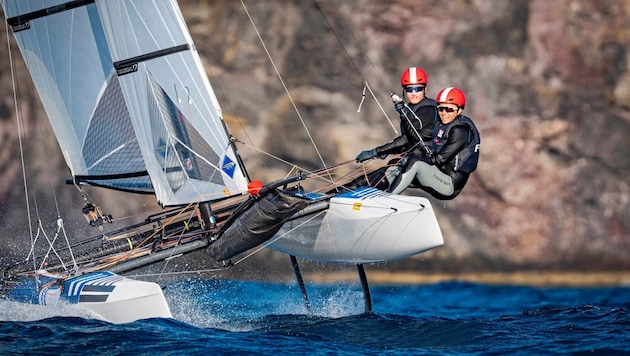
(59, 221)
(382, 109)
(19, 120)
(51, 247)
(374, 68)
(231, 264)
(345, 50)
(332, 29)
(286, 89)
(179, 239)
(366, 86)
(316, 173)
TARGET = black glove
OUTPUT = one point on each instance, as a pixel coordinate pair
(399, 106)
(433, 158)
(365, 155)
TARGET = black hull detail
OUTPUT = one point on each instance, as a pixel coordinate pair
(256, 225)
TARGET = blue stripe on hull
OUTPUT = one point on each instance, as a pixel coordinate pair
(74, 287)
(362, 193)
(88, 288)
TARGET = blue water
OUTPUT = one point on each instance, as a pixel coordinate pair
(222, 317)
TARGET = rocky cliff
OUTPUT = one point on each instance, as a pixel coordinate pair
(547, 83)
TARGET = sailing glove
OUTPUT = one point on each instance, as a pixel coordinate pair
(365, 155)
(435, 159)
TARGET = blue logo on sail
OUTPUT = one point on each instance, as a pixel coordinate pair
(228, 166)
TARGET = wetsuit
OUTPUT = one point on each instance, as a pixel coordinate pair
(443, 173)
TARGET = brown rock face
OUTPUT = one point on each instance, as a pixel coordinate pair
(547, 83)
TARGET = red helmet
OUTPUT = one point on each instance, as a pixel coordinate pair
(413, 76)
(451, 95)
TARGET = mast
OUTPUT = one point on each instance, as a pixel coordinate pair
(209, 220)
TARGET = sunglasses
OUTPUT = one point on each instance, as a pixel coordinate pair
(446, 108)
(415, 88)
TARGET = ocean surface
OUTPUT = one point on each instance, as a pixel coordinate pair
(227, 317)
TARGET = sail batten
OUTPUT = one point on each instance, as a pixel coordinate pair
(122, 67)
(21, 22)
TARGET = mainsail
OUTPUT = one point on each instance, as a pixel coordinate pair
(127, 97)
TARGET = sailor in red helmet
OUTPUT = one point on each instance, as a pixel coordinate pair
(454, 151)
(418, 115)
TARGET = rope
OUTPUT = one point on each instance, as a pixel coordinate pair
(374, 68)
(19, 119)
(316, 173)
(251, 20)
(258, 249)
(51, 247)
(382, 109)
(122, 257)
(179, 239)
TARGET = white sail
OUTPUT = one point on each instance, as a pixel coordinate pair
(127, 97)
(64, 47)
(174, 111)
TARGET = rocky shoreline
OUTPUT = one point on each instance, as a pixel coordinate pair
(533, 278)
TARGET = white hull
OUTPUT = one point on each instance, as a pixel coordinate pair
(110, 297)
(364, 226)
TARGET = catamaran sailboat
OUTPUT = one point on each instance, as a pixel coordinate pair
(133, 110)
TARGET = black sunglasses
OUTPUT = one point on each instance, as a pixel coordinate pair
(415, 88)
(446, 108)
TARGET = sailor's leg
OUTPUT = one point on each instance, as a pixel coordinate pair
(433, 180)
(404, 179)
